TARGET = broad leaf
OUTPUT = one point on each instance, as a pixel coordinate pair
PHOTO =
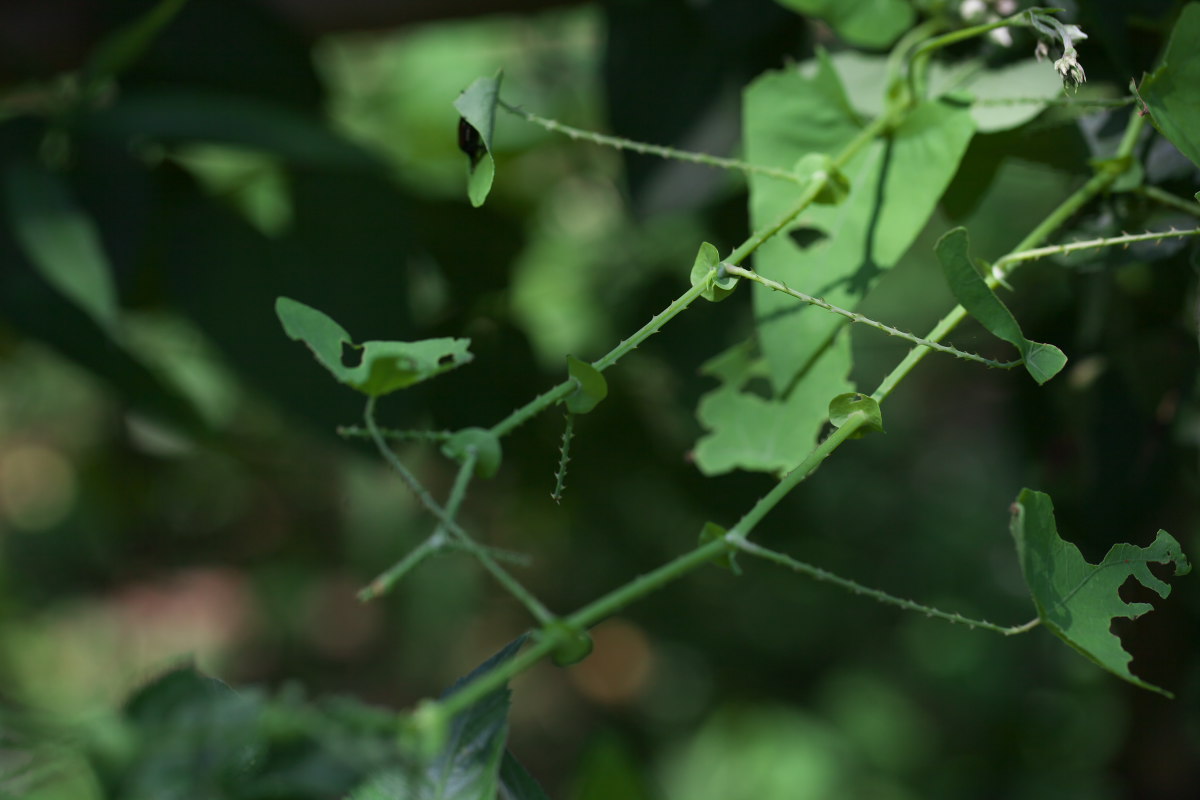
(60, 240)
(477, 105)
(591, 389)
(865, 23)
(385, 366)
(1078, 601)
(718, 287)
(1043, 361)
(1172, 92)
(749, 431)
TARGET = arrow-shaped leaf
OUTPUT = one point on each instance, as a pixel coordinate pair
(1043, 361)
(1077, 600)
(477, 105)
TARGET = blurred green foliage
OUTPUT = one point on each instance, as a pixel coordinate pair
(171, 487)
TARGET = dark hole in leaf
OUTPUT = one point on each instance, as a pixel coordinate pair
(806, 237)
(351, 355)
(446, 359)
(470, 142)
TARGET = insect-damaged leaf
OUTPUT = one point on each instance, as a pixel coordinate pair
(477, 105)
(592, 387)
(1043, 361)
(385, 366)
(1077, 600)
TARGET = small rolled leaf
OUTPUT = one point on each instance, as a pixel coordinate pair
(592, 387)
(711, 532)
(477, 105)
(842, 407)
(1042, 361)
(837, 185)
(385, 366)
(488, 453)
(719, 286)
(574, 643)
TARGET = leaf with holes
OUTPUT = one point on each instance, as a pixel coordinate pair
(1078, 601)
(477, 105)
(1043, 361)
(385, 366)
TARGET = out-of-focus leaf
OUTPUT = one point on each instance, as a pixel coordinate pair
(844, 405)
(197, 115)
(1043, 361)
(717, 288)
(385, 366)
(1078, 601)
(749, 431)
(118, 50)
(1172, 92)
(477, 105)
(591, 389)
(609, 770)
(516, 783)
(865, 23)
(60, 240)
(487, 449)
(575, 644)
(1002, 98)
(711, 532)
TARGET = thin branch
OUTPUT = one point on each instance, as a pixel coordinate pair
(560, 477)
(1000, 267)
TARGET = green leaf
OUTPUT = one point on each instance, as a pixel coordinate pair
(719, 286)
(385, 366)
(591, 389)
(842, 407)
(210, 116)
(116, 52)
(1172, 92)
(60, 240)
(574, 644)
(1043, 361)
(516, 783)
(894, 184)
(749, 431)
(837, 186)
(486, 445)
(1078, 601)
(477, 105)
(865, 23)
(712, 532)
(1023, 80)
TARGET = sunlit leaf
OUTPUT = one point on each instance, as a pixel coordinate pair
(591, 389)
(477, 105)
(718, 287)
(1172, 92)
(60, 240)
(1078, 601)
(837, 186)
(384, 366)
(1043, 361)
(866, 23)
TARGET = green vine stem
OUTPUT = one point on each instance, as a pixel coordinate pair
(514, 587)
(1168, 199)
(1084, 194)
(648, 149)
(560, 476)
(883, 597)
(435, 543)
(395, 434)
(777, 286)
(1091, 244)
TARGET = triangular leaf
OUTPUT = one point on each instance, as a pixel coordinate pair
(385, 366)
(1043, 361)
(592, 388)
(1172, 92)
(477, 105)
(1077, 600)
